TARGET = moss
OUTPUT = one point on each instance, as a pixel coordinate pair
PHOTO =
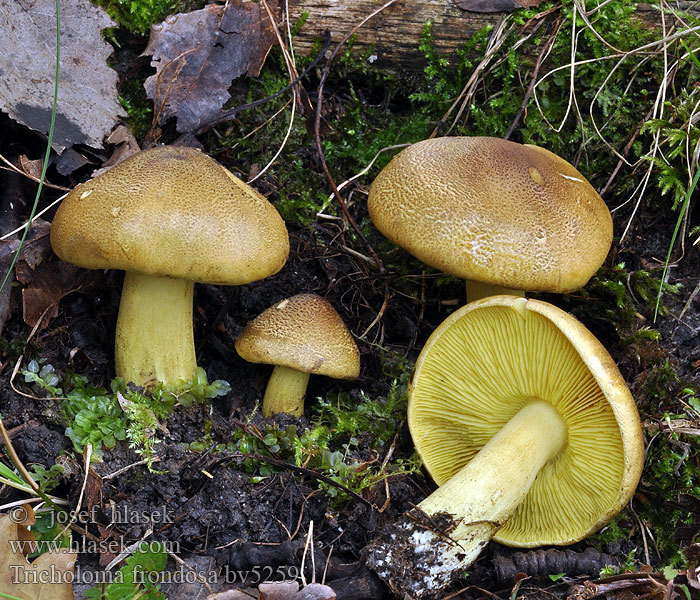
(132, 97)
(138, 15)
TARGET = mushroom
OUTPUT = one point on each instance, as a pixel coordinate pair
(301, 335)
(524, 421)
(504, 216)
(168, 216)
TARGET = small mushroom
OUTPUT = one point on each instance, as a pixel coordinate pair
(301, 335)
(524, 421)
(168, 216)
(504, 216)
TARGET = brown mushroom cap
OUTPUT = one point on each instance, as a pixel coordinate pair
(494, 211)
(304, 333)
(175, 212)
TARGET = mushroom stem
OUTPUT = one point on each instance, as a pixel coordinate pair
(448, 530)
(154, 339)
(285, 392)
(476, 290)
(486, 492)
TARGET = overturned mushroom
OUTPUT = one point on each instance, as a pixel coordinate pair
(504, 216)
(524, 421)
(168, 216)
(301, 335)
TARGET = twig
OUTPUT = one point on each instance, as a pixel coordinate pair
(12, 453)
(130, 549)
(526, 98)
(87, 458)
(365, 170)
(124, 469)
(200, 577)
(11, 167)
(301, 471)
(324, 164)
(496, 40)
(293, 74)
(307, 543)
(625, 152)
(34, 218)
(590, 590)
(229, 114)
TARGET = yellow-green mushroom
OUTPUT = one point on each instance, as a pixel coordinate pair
(301, 336)
(524, 421)
(506, 217)
(168, 216)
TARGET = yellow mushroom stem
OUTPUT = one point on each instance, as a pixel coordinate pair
(154, 339)
(476, 290)
(485, 493)
(285, 392)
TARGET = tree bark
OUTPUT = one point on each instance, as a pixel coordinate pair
(391, 38)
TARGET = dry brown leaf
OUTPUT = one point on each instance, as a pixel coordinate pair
(278, 590)
(46, 278)
(22, 579)
(197, 55)
(229, 595)
(126, 145)
(316, 591)
(88, 107)
(32, 167)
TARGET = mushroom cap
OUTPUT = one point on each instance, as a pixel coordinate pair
(494, 211)
(305, 333)
(493, 356)
(171, 212)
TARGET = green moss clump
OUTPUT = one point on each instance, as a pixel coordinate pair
(138, 15)
(132, 97)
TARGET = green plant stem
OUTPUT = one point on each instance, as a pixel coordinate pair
(681, 214)
(34, 488)
(3, 595)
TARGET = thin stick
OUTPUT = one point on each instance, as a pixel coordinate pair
(34, 218)
(12, 453)
(526, 98)
(12, 167)
(292, 73)
(324, 164)
(87, 458)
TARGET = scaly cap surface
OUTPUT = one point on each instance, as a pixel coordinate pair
(174, 212)
(494, 211)
(305, 333)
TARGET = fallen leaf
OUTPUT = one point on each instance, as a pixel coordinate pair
(289, 590)
(32, 167)
(278, 590)
(46, 278)
(20, 579)
(197, 55)
(70, 161)
(229, 595)
(88, 108)
(126, 146)
(316, 591)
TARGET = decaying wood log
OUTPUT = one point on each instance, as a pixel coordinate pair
(393, 35)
